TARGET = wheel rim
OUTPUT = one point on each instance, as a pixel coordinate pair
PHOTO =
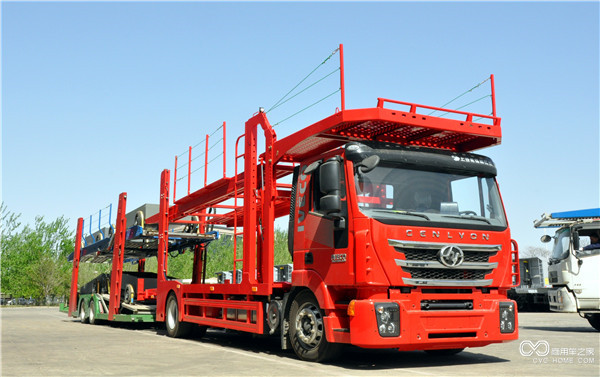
(82, 312)
(171, 315)
(309, 325)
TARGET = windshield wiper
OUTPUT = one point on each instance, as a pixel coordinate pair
(402, 213)
(469, 217)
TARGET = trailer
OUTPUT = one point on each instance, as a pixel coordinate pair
(397, 232)
(574, 263)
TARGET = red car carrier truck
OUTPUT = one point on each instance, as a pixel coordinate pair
(397, 232)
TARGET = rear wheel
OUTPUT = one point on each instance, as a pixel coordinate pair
(446, 352)
(594, 320)
(307, 330)
(92, 313)
(175, 328)
(82, 312)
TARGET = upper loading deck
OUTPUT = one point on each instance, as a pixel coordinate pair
(411, 127)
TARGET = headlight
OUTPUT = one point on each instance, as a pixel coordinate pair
(388, 319)
(507, 317)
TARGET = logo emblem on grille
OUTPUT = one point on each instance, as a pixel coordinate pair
(451, 256)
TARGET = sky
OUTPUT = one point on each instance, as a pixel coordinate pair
(98, 98)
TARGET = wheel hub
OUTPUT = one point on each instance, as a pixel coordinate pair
(309, 325)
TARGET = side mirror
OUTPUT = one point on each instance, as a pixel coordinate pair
(329, 184)
(368, 164)
(546, 238)
(312, 167)
(575, 240)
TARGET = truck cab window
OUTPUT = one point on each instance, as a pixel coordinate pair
(392, 193)
(561, 245)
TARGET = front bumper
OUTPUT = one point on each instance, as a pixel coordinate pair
(561, 300)
(435, 329)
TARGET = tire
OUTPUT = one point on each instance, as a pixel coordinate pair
(594, 320)
(175, 328)
(446, 352)
(92, 313)
(307, 330)
(83, 316)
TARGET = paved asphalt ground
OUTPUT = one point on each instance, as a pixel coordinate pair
(40, 341)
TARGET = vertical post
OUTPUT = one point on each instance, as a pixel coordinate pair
(175, 180)
(189, 168)
(163, 227)
(110, 216)
(224, 151)
(75, 273)
(91, 226)
(99, 220)
(493, 96)
(342, 89)
(116, 276)
(206, 160)
(266, 253)
(250, 205)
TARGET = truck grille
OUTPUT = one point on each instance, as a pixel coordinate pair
(431, 255)
(446, 274)
(463, 265)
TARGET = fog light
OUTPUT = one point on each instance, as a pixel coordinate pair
(388, 319)
(507, 317)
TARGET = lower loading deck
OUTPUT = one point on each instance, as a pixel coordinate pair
(94, 307)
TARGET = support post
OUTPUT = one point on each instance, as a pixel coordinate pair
(116, 277)
(175, 181)
(224, 150)
(189, 169)
(250, 201)
(342, 89)
(206, 160)
(268, 193)
(75, 273)
(163, 227)
(493, 96)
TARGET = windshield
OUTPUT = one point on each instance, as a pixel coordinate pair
(561, 244)
(396, 195)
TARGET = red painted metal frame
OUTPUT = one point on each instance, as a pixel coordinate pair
(75, 272)
(163, 228)
(116, 276)
(342, 80)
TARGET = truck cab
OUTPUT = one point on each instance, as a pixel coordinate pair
(415, 234)
(574, 264)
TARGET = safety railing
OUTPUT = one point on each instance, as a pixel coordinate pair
(97, 226)
(442, 111)
(201, 151)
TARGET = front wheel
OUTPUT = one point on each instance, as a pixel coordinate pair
(307, 330)
(175, 328)
(594, 320)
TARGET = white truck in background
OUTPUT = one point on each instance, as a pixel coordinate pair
(574, 266)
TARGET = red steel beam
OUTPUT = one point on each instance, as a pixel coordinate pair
(163, 227)
(116, 276)
(75, 272)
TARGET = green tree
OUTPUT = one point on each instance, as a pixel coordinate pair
(34, 259)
